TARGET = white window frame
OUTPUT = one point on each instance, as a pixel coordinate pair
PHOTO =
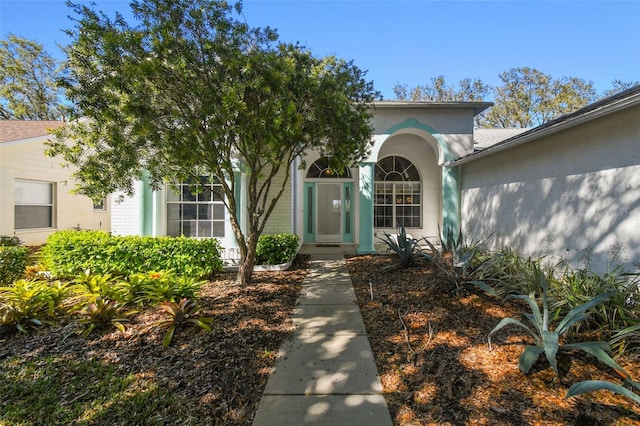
(19, 204)
(398, 191)
(205, 202)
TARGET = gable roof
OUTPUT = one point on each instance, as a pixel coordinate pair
(17, 130)
(606, 106)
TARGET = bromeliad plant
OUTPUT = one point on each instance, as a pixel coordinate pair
(102, 312)
(547, 341)
(181, 314)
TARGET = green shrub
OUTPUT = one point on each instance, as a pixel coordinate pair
(276, 249)
(69, 253)
(13, 262)
(7, 241)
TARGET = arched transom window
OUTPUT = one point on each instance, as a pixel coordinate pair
(321, 168)
(397, 194)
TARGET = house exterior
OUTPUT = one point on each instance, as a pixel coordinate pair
(401, 182)
(562, 190)
(568, 190)
(36, 189)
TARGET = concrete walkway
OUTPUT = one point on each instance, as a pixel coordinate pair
(325, 375)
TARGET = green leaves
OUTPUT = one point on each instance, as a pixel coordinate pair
(596, 385)
(181, 314)
(548, 341)
(274, 249)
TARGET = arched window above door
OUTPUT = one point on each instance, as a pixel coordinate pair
(397, 192)
(321, 168)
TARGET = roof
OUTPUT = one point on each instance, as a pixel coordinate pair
(484, 138)
(606, 106)
(477, 107)
(16, 130)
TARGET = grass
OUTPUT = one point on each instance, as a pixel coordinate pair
(56, 390)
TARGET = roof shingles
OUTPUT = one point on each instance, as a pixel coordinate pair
(15, 130)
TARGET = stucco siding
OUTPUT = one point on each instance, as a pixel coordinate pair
(422, 155)
(573, 195)
(27, 161)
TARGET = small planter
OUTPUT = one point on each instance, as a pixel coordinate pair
(278, 267)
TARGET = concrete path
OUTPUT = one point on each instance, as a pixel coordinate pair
(325, 375)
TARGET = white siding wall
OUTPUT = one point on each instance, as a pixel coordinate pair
(564, 196)
(126, 217)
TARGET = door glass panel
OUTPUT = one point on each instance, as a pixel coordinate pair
(329, 211)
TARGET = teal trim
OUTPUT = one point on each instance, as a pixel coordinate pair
(450, 187)
(309, 219)
(412, 123)
(146, 206)
(450, 201)
(365, 209)
(347, 197)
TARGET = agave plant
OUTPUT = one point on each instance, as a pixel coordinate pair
(404, 246)
(186, 312)
(547, 341)
(595, 385)
(457, 262)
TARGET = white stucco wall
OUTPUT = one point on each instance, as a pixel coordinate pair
(564, 196)
(26, 160)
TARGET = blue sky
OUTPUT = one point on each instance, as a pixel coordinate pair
(412, 41)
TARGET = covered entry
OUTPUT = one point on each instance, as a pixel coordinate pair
(328, 204)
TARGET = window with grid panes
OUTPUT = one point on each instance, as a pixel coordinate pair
(196, 210)
(397, 196)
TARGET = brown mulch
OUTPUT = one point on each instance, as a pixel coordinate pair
(220, 375)
(430, 345)
(429, 341)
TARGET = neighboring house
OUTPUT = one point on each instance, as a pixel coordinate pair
(35, 189)
(567, 190)
(556, 190)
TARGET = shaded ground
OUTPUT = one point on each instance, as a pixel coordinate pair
(430, 345)
(211, 378)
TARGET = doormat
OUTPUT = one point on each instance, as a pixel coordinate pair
(327, 245)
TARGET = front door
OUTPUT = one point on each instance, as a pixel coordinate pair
(329, 213)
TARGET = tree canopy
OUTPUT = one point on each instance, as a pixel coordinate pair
(28, 74)
(193, 90)
(527, 97)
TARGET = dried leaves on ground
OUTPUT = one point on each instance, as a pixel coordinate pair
(430, 344)
(201, 379)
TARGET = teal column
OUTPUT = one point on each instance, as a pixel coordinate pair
(365, 210)
(450, 201)
(146, 206)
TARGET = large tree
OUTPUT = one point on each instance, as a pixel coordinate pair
(529, 98)
(28, 74)
(192, 90)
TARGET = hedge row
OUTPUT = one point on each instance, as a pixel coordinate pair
(13, 261)
(68, 253)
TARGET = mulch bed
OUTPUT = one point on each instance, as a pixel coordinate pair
(430, 345)
(219, 375)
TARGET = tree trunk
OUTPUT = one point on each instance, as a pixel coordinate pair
(247, 260)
